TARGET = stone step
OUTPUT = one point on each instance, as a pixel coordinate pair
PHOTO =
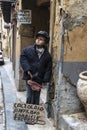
(76, 121)
(47, 126)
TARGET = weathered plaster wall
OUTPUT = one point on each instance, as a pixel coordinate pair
(75, 7)
(75, 24)
(75, 56)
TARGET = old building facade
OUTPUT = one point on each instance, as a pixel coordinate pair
(68, 48)
(66, 22)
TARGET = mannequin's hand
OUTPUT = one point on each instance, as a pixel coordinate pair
(34, 85)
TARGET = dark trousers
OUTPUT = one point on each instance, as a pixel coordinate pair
(33, 97)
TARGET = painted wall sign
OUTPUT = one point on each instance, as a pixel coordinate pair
(32, 114)
(24, 16)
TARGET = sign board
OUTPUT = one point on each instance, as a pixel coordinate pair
(24, 16)
(29, 113)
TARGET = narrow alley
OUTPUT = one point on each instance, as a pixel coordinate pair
(43, 42)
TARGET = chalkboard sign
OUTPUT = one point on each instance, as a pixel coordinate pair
(29, 113)
(24, 16)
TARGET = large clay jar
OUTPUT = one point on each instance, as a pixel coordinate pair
(82, 88)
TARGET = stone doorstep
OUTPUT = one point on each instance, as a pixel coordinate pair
(49, 122)
(47, 126)
(76, 121)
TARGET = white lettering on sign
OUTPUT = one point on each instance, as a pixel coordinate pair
(24, 16)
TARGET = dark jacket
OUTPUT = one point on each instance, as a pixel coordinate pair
(40, 68)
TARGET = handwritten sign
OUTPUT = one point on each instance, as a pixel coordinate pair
(29, 113)
(24, 16)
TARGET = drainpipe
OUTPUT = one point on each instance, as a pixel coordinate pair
(61, 50)
(52, 19)
(60, 69)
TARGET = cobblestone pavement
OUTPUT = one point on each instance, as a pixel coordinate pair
(7, 100)
(2, 111)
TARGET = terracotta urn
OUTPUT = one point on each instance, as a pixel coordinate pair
(82, 88)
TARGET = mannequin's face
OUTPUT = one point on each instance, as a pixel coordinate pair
(40, 41)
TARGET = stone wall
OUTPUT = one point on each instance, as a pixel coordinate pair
(75, 24)
(74, 56)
